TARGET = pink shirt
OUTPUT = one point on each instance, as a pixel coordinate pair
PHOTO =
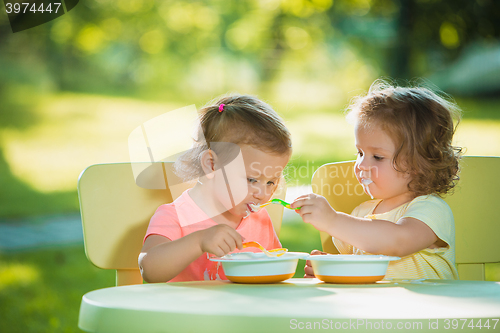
(165, 222)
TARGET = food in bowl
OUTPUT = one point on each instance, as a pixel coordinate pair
(350, 268)
(249, 267)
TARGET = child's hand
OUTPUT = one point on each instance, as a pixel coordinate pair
(308, 270)
(316, 210)
(220, 240)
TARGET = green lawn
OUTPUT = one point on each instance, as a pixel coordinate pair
(40, 291)
(57, 136)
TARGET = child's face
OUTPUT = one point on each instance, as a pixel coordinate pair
(262, 173)
(376, 151)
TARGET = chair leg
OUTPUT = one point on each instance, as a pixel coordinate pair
(126, 277)
(471, 272)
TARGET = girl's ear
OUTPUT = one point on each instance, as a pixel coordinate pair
(208, 159)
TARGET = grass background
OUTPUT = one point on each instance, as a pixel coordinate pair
(45, 146)
(51, 138)
(41, 291)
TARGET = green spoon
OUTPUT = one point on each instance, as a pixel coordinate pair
(273, 201)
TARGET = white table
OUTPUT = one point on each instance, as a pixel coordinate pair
(294, 305)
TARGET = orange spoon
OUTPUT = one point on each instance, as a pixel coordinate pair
(270, 253)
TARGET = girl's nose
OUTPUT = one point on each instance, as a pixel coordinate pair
(362, 164)
(258, 192)
(363, 168)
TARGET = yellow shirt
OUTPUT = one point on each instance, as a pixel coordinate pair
(438, 263)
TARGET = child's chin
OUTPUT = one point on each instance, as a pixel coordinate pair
(241, 213)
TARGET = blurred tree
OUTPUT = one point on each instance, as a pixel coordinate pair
(410, 38)
(431, 33)
(179, 47)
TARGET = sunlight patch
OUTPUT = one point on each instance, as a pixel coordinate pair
(17, 274)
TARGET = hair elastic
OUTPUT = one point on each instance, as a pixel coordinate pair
(221, 107)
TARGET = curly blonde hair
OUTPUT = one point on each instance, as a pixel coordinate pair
(239, 120)
(421, 124)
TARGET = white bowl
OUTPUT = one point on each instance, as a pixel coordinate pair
(350, 268)
(249, 267)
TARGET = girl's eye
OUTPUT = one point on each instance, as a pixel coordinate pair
(270, 183)
(360, 154)
(378, 158)
(252, 180)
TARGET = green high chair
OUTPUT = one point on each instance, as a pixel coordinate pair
(473, 202)
(115, 214)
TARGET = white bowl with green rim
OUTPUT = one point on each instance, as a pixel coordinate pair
(350, 268)
(250, 267)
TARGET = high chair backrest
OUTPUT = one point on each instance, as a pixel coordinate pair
(338, 184)
(115, 214)
(477, 224)
(473, 203)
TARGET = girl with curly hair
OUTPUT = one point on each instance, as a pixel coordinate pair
(405, 161)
